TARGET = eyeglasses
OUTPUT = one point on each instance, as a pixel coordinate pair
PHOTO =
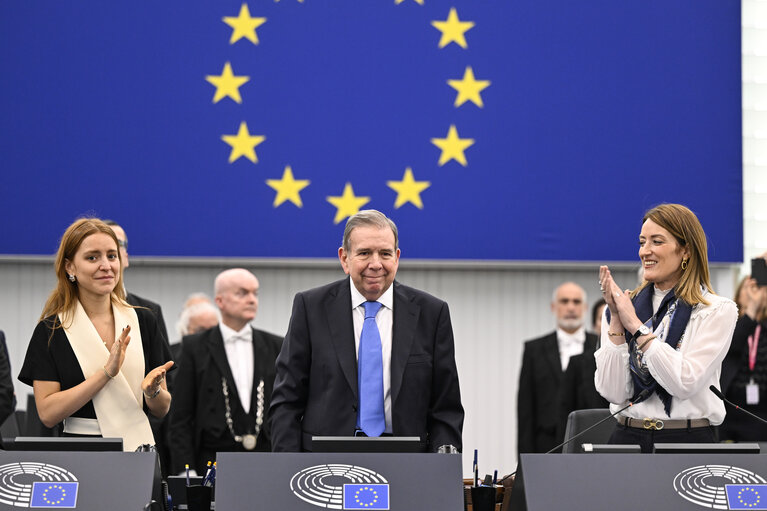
(123, 243)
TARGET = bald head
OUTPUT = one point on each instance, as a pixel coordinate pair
(236, 297)
(122, 239)
(569, 306)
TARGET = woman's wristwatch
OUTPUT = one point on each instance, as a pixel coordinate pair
(643, 330)
(153, 395)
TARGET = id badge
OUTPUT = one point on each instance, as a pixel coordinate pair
(752, 393)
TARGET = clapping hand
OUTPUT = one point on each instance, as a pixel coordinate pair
(619, 302)
(117, 353)
(154, 380)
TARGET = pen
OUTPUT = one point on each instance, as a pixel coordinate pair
(207, 473)
(476, 469)
(495, 477)
(187, 473)
(211, 480)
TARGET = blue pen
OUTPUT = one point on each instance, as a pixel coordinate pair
(211, 476)
(495, 477)
(476, 469)
(207, 473)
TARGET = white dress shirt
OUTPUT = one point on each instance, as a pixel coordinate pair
(570, 345)
(384, 320)
(239, 353)
(685, 372)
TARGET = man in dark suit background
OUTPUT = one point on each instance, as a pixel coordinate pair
(316, 389)
(539, 416)
(578, 389)
(224, 380)
(122, 240)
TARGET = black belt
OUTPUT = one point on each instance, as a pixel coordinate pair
(658, 424)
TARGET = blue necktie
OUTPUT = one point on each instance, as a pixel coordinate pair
(370, 374)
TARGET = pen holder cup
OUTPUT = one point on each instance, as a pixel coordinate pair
(482, 498)
(198, 497)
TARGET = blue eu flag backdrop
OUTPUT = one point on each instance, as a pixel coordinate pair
(54, 494)
(493, 129)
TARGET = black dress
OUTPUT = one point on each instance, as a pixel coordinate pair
(56, 361)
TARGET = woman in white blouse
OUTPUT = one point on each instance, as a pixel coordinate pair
(663, 343)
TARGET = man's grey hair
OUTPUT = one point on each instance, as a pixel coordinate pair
(556, 290)
(182, 325)
(369, 217)
(196, 298)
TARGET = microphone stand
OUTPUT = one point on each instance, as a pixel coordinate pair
(641, 397)
(719, 394)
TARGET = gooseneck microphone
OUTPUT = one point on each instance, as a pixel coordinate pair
(719, 394)
(641, 397)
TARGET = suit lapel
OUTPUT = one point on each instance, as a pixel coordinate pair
(552, 355)
(338, 311)
(403, 329)
(218, 354)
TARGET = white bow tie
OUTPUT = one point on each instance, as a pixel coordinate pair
(239, 338)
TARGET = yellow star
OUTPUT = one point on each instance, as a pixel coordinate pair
(452, 147)
(453, 29)
(408, 190)
(397, 2)
(288, 188)
(243, 144)
(227, 84)
(348, 204)
(468, 88)
(244, 25)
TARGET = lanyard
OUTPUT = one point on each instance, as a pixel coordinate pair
(753, 344)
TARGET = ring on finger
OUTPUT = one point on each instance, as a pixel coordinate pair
(617, 295)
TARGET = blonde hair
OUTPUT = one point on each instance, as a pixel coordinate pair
(65, 295)
(685, 227)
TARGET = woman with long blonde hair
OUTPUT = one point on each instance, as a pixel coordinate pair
(95, 363)
(663, 343)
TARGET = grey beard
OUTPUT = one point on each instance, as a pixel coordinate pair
(570, 324)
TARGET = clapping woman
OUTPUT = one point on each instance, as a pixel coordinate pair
(95, 363)
(663, 343)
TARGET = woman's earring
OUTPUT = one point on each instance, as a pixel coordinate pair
(71, 277)
(684, 264)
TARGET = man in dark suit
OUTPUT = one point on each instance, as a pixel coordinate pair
(122, 240)
(539, 413)
(318, 389)
(224, 380)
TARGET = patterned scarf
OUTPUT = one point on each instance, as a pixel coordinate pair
(678, 314)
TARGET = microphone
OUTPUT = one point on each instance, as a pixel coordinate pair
(641, 397)
(719, 394)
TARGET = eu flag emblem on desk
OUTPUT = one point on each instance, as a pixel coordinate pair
(746, 496)
(366, 496)
(54, 494)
